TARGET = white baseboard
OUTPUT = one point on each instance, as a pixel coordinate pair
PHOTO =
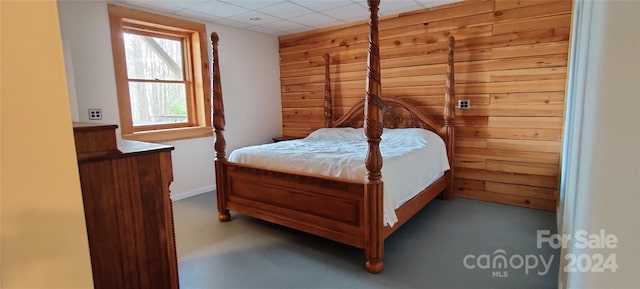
(188, 194)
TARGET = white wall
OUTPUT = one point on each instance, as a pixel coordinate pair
(606, 191)
(249, 68)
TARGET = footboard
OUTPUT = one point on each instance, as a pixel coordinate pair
(322, 206)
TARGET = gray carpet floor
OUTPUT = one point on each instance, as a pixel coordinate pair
(427, 252)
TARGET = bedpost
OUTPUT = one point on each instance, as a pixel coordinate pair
(328, 106)
(218, 125)
(449, 116)
(373, 117)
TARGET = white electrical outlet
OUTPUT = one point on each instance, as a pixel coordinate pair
(95, 113)
(464, 104)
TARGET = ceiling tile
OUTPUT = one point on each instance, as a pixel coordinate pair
(434, 3)
(155, 5)
(219, 9)
(233, 23)
(349, 13)
(284, 25)
(321, 5)
(265, 30)
(191, 14)
(253, 4)
(286, 10)
(316, 20)
(255, 18)
(296, 30)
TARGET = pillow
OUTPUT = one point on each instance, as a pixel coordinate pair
(337, 133)
(416, 133)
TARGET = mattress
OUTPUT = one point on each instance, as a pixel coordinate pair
(413, 158)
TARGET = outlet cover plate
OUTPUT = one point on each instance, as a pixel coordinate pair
(464, 104)
(95, 114)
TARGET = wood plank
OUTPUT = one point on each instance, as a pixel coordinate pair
(472, 163)
(287, 118)
(469, 121)
(463, 78)
(317, 78)
(536, 192)
(440, 25)
(558, 60)
(513, 110)
(533, 11)
(540, 98)
(415, 80)
(509, 155)
(555, 60)
(524, 145)
(303, 125)
(406, 56)
(315, 62)
(413, 90)
(510, 178)
(526, 122)
(535, 49)
(526, 74)
(298, 95)
(336, 69)
(523, 201)
(512, 86)
(510, 133)
(435, 37)
(339, 53)
(522, 38)
(471, 142)
(531, 168)
(511, 4)
(325, 33)
(467, 184)
(321, 44)
(304, 103)
(303, 87)
(550, 22)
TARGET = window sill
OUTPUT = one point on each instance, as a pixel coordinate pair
(170, 134)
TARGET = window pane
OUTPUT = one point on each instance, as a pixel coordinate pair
(153, 57)
(158, 103)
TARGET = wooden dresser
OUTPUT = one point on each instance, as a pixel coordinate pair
(125, 190)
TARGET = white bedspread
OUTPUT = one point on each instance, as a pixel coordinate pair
(413, 158)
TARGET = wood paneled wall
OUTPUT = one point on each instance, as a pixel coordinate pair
(511, 62)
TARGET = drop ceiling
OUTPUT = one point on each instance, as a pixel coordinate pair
(279, 17)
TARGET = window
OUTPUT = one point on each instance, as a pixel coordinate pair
(162, 76)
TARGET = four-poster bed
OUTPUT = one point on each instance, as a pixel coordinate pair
(347, 211)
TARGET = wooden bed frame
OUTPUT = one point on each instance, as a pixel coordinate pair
(345, 211)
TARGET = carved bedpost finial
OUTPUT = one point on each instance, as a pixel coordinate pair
(328, 106)
(218, 104)
(214, 38)
(373, 125)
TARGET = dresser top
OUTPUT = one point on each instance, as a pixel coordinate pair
(84, 126)
(96, 141)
